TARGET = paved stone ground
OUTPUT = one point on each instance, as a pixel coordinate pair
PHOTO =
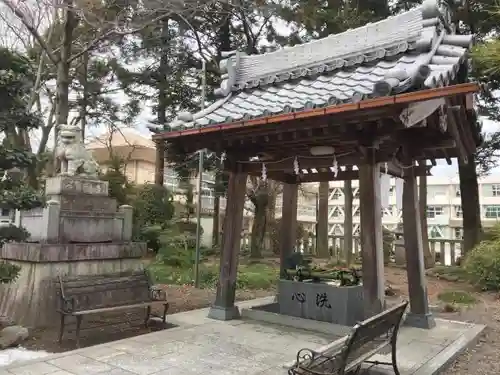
(204, 346)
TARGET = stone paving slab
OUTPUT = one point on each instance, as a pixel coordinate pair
(240, 347)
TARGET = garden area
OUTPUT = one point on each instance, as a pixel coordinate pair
(468, 292)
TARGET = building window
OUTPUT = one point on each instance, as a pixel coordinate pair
(5, 212)
(495, 190)
(433, 211)
(335, 212)
(335, 193)
(458, 211)
(435, 232)
(355, 193)
(459, 233)
(492, 212)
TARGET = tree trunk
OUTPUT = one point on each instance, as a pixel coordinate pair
(429, 260)
(85, 94)
(259, 223)
(63, 67)
(224, 45)
(270, 216)
(322, 250)
(163, 71)
(469, 191)
(348, 221)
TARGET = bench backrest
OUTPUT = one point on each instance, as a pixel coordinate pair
(373, 333)
(94, 292)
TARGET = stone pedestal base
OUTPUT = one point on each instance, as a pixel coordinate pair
(321, 301)
(224, 313)
(425, 321)
(32, 299)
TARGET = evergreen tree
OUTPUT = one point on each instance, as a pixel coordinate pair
(15, 85)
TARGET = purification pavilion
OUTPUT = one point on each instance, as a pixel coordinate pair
(393, 93)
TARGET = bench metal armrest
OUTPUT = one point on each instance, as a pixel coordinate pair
(157, 293)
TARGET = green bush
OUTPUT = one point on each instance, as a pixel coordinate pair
(491, 234)
(483, 265)
(151, 235)
(257, 276)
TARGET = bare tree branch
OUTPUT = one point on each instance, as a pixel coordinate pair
(22, 17)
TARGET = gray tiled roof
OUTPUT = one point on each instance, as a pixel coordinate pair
(412, 50)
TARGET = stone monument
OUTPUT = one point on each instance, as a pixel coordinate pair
(81, 231)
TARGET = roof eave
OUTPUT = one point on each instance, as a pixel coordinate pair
(460, 89)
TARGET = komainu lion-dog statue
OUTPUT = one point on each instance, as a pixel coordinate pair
(75, 159)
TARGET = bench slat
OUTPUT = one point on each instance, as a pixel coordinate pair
(140, 284)
(75, 282)
(118, 308)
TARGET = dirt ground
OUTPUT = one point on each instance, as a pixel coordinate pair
(481, 359)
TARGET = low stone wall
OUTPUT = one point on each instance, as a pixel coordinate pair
(32, 299)
(321, 301)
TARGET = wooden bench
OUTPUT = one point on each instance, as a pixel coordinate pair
(346, 355)
(86, 295)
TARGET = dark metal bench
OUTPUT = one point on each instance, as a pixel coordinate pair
(349, 353)
(86, 295)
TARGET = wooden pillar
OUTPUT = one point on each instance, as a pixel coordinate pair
(160, 163)
(348, 239)
(419, 315)
(288, 230)
(429, 260)
(223, 307)
(372, 252)
(323, 195)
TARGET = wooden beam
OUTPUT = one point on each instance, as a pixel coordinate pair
(347, 175)
(308, 162)
(419, 315)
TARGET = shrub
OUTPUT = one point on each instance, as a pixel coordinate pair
(483, 265)
(257, 276)
(491, 234)
(151, 235)
(153, 205)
